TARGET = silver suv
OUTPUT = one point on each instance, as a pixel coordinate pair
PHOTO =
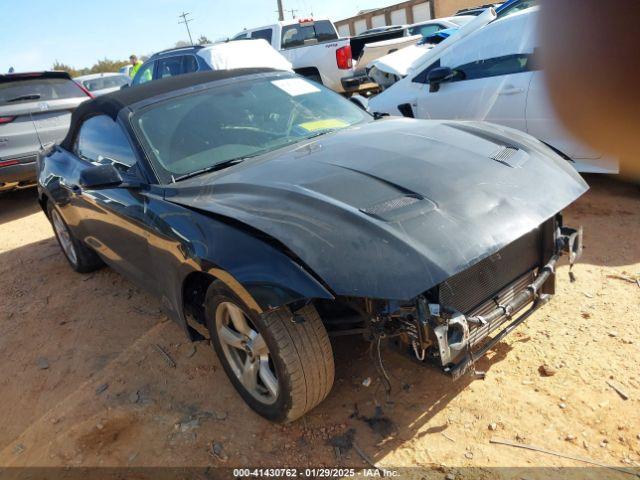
(35, 110)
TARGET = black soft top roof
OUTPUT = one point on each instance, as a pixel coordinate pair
(112, 103)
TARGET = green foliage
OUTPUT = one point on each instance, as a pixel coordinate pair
(106, 65)
(65, 68)
(203, 40)
(101, 66)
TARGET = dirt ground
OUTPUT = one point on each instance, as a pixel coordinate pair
(81, 382)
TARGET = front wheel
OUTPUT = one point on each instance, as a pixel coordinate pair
(280, 368)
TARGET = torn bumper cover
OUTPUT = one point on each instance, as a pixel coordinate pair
(460, 339)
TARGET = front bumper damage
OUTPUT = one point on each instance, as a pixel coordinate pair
(456, 340)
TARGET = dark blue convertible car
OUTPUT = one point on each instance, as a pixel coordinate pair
(269, 213)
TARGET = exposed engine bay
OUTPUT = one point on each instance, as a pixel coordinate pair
(459, 320)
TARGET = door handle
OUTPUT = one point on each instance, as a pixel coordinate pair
(510, 91)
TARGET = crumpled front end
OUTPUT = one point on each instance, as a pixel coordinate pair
(460, 319)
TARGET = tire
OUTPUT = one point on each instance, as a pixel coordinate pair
(81, 258)
(298, 355)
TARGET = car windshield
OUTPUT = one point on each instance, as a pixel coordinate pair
(100, 83)
(42, 89)
(195, 132)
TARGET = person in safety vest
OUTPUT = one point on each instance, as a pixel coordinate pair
(136, 64)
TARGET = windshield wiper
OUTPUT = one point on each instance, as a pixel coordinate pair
(211, 168)
(33, 96)
(321, 132)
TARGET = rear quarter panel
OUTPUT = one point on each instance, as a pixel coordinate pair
(323, 57)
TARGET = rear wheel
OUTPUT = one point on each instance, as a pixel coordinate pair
(81, 258)
(280, 368)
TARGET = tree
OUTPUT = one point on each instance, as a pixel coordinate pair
(182, 44)
(106, 65)
(101, 66)
(57, 65)
(203, 40)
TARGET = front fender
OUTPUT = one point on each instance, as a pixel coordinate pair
(251, 264)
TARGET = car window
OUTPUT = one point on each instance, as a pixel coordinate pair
(241, 36)
(102, 141)
(192, 132)
(308, 33)
(492, 67)
(265, 34)
(21, 91)
(145, 74)
(425, 30)
(170, 67)
(189, 64)
(516, 7)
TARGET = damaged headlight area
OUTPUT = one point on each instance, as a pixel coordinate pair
(459, 320)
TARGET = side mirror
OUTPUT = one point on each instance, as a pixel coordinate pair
(439, 75)
(126, 85)
(100, 176)
(360, 101)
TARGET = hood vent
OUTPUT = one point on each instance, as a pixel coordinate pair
(382, 208)
(507, 156)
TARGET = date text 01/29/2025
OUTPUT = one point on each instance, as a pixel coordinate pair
(312, 472)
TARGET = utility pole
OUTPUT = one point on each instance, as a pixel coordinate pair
(186, 24)
(293, 12)
(280, 11)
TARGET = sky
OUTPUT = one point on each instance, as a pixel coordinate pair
(35, 33)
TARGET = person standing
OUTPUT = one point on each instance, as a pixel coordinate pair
(135, 65)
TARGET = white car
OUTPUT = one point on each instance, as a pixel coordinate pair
(126, 70)
(312, 46)
(102, 83)
(491, 74)
(430, 27)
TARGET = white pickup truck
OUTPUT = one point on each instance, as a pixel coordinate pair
(312, 46)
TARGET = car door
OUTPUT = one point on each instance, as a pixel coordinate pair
(491, 72)
(112, 220)
(145, 73)
(492, 90)
(543, 123)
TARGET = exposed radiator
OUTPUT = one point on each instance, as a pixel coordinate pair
(471, 288)
(480, 332)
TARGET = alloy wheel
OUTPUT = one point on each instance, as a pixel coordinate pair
(64, 237)
(246, 352)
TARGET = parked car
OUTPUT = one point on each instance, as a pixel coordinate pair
(35, 110)
(313, 48)
(271, 212)
(126, 70)
(386, 28)
(475, 11)
(492, 74)
(428, 28)
(502, 9)
(101, 83)
(218, 56)
(369, 47)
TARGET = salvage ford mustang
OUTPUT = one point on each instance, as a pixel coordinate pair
(269, 213)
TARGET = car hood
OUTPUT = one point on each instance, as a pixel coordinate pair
(391, 208)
